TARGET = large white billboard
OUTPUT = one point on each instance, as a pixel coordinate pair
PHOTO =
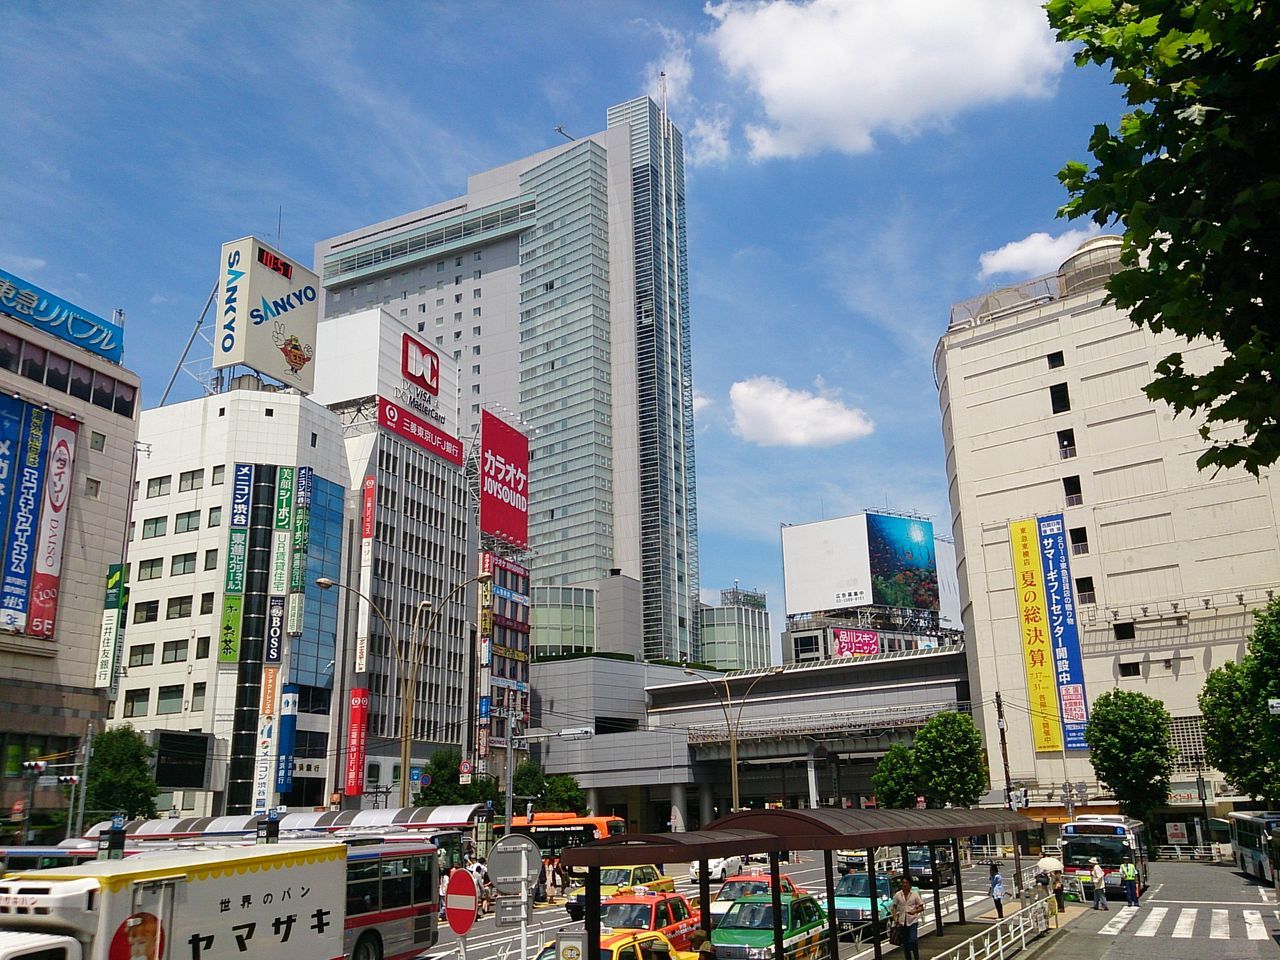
(268, 307)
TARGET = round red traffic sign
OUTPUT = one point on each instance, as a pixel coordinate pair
(464, 766)
(460, 901)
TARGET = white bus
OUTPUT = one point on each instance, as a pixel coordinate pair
(1110, 838)
(1250, 836)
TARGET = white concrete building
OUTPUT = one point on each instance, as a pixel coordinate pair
(1043, 414)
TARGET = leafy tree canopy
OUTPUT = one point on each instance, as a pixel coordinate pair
(120, 777)
(1190, 171)
(1131, 750)
(444, 788)
(949, 763)
(895, 779)
(1241, 738)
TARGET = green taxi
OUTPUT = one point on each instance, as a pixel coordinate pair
(746, 930)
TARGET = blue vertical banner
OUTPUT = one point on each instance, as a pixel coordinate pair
(11, 410)
(24, 520)
(1064, 629)
(288, 741)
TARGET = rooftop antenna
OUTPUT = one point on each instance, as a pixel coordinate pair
(662, 86)
(564, 133)
(279, 224)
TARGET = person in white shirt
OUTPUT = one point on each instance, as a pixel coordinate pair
(1099, 877)
(907, 909)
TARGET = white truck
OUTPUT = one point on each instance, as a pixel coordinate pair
(286, 902)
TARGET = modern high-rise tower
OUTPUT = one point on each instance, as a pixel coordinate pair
(559, 282)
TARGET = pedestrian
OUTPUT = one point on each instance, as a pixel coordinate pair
(1129, 874)
(540, 888)
(444, 881)
(1099, 877)
(557, 878)
(907, 908)
(997, 890)
(1059, 891)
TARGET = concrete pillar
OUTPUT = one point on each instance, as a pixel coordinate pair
(679, 819)
(706, 803)
(812, 766)
(593, 801)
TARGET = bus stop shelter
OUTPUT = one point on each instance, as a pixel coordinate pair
(778, 831)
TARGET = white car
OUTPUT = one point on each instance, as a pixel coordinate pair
(718, 868)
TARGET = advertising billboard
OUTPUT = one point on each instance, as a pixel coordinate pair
(288, 739)
(1037, 656)
(368, 511)
(237, 561)
(1064, 629)
(903, 564)
(25, 503)
(268, 308)
(855, 643)
(418, 431)
(109, 632)
(357, 727)
(25, 301)
(504, 481)
(47, 577)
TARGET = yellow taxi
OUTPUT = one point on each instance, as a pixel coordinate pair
(614, 880)
(671, 914)
(629, 945)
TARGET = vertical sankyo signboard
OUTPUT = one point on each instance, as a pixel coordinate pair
(1037, 646)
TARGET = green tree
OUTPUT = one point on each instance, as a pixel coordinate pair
(1241, 738)
(1131, 750)
(949, 763)
(561, 792)
(1190, 171)
(444, 788)
(120, 776)
(895, 780)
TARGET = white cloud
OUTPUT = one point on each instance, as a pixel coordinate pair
(769, 413)
(701, 401)
(676, 62)
(1035, 254)
(831, 74)
(22, 265)
(708, 140)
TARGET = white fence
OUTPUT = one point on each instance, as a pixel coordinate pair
(1005, 938)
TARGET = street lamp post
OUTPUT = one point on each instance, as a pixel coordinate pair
(408, 661)
(1204, 808)
(732, 724)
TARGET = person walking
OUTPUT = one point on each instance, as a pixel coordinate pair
(1059, 891)
(997, 890)
(1129, 874)
(907, 908)
(1099, 877)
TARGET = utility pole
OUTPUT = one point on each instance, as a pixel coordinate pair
(1008, 790)
(84, 782)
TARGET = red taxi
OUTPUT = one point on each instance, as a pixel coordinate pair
(747, 884)
(641, 909)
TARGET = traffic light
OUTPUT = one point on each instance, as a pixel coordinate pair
(68, 779)
(34, 767)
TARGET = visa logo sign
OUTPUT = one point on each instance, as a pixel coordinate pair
(420, 365)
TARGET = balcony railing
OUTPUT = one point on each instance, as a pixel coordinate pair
(1075, 499)
(1078, 548)
(1066, 453)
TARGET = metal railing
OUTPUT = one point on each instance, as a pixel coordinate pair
(1004, 938)
(845, 721)
(1188, 852)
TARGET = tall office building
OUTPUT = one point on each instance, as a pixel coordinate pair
(1092, 554)
(735, 634)
(558, 283)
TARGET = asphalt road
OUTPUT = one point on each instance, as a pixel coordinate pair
(1191, 911)
(487, 941)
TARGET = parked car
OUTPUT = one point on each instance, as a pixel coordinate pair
(625, 945)
(643, 909)
(718, 868)
(746, 930)
(922, 869)
(853, 904)
(745, 884)
(614, 880)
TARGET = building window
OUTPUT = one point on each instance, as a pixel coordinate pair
(475, 351)
(211, 559)
(457, 298)
(215, 516)
(475, 388)
(146, 612)
(202, 648)
(1079, 540)
(178, 608)
(92, 490)
(142, 655)
(197, 697)
(190, 480)
(477, 255)
(169, 699)
(135, 702)
(1123, 631)
(155, 527)
(182, 563)
(1056, 360)
(1071, 490)
(457, 261)
(457, 317)
(206, 603)
(475, 331)
(475, 294)
(1059, 398)
(186, 521)
(174, 651)
(1066, 444)
(218, 475)
(158, 486)
(475, 369)
(151, 569)
(1084, 590)
(97, 441)
(1131, 669)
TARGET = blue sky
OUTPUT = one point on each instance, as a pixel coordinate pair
(853, 169)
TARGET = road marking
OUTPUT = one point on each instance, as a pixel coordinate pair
(1219, 926)
(1117, 923)
(1152, 891)
(1254, 927)
(1152, 923)
(1209, 903)
(1185, 927)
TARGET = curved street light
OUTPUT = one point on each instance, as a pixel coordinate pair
(732, 725)
(408, 661)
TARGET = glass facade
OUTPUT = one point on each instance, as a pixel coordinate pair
(312, 653)
(735, 637)
(563, 620)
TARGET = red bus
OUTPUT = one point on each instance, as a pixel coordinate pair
(393, 900)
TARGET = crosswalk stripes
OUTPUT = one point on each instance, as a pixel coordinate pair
(1152, 923)
(1254, 927)
(1117, 923)
(1184, 927)
(1219, 926)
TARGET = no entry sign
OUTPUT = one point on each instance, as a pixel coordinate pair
(460, 901)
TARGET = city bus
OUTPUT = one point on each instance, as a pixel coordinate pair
(13, 859)
(1250, 842)
(393, 900)
(553, 832)
(1109, 838)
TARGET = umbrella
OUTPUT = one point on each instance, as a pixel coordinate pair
(1049, 864)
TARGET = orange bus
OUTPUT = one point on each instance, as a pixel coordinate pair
(552, 832)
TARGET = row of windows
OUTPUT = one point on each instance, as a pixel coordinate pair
(169, 699)
(184, 522)
(176, 608)
(187, 480)
(64, 375)
(171, 651)
(179, 564)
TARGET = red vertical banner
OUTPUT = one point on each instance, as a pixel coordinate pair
(357, 733)
(47, 573)
(504, 481)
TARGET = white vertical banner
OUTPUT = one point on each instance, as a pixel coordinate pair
(264, 765)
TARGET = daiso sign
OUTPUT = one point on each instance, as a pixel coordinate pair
(420, 365)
